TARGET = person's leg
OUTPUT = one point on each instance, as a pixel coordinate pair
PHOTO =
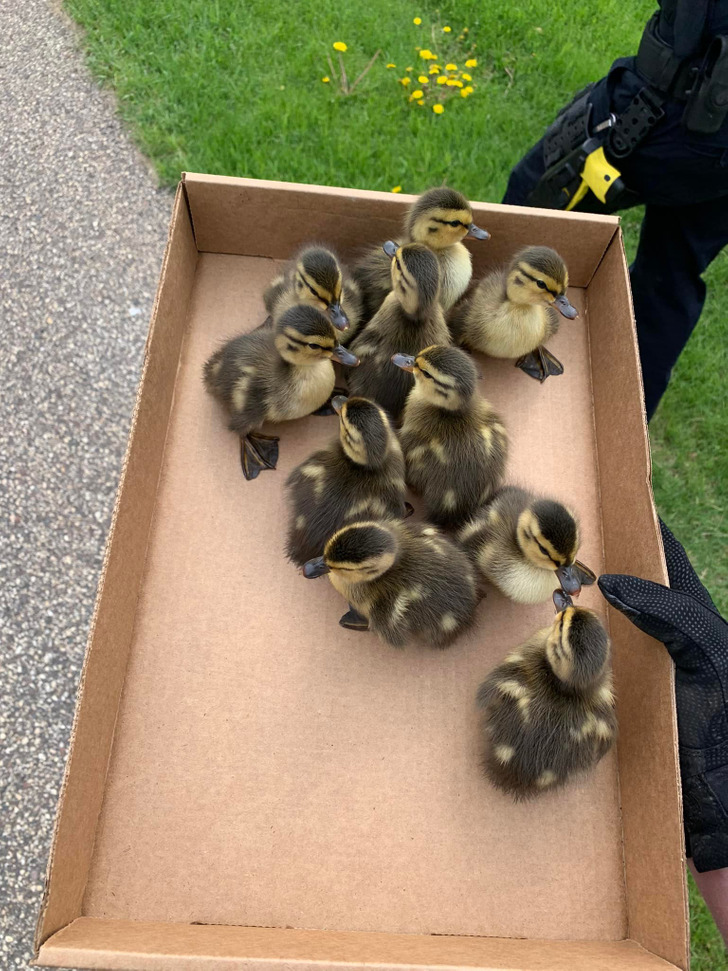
(676, 245)
(524, 176)
(713, 886)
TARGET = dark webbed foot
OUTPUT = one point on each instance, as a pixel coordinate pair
(540, 364)
(327, 408)
(353, 620)
(257, 453)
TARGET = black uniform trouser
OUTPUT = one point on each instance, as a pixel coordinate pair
(683, 180)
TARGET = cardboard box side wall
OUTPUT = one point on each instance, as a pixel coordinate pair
(110, 636)
(142, 946)
(651, 814)
(337, 215)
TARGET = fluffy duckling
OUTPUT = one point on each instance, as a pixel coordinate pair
(410, 318)
(526, 546)
(548, 709)
(316, 277)
(439, 219)
(359, 475)
(454, 443)
(402, 582)
(275, 375)
(512, 313)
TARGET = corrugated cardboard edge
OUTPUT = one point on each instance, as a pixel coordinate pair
(141, 946)
(46, 926)
(217, 204)
(658, 920)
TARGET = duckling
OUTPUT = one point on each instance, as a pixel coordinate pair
(548, 709)
(454, 443)
(359, 475)
(440, 219)
(275, 375)
(316, 277)
(512, 313)
(410, 318)
(526, 546)
(404, 582)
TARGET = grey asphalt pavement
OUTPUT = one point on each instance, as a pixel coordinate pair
(82, 232)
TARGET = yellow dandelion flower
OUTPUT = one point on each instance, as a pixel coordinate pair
(416, 95)
(451, 67)
(427, 55)
(423, 79)
(446, 30)
(391, 65)
(417, 21)
(442, 79)
(396, 188)
(464, 93)
(452, 83)
(465, 77)
(466, 30)
(469, 88)
(340, 46)
(409, 70)
(472, 62)
(326, 80)
(434, 69)
(405, 81)
(438, 109)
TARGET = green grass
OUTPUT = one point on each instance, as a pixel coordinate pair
(234, 88)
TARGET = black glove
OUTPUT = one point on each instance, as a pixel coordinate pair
(687, 622)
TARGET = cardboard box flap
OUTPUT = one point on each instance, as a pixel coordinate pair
(251, 217)
(142, 946)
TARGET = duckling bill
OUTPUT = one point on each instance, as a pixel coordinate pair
(275, 375)
(405, 582)
(512, 313)
(359, 475)
(526, 546)
(548, 708)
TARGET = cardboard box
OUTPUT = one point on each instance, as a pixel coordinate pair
(251, 786)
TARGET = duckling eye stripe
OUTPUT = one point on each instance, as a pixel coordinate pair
(536, 280)
(449, 222)
(312, 289)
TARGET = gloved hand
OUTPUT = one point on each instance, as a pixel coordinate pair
(687, 622)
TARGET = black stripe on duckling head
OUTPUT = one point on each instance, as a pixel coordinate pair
(586, 645)
(546, 261)
(307, 322)
(422, 266)
(558, 526)
(439, 198)
(451, 365)
(360, 543)
(321, 265)
(369, 420)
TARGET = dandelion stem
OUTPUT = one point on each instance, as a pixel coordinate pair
(344, 80)
(332, 72)
(365, 71)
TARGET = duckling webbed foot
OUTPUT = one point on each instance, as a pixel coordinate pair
(585, 575)
(257, 453)
(353, 620)
(327, 408)
(539, 364)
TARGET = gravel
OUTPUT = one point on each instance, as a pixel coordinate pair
(82, 231)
